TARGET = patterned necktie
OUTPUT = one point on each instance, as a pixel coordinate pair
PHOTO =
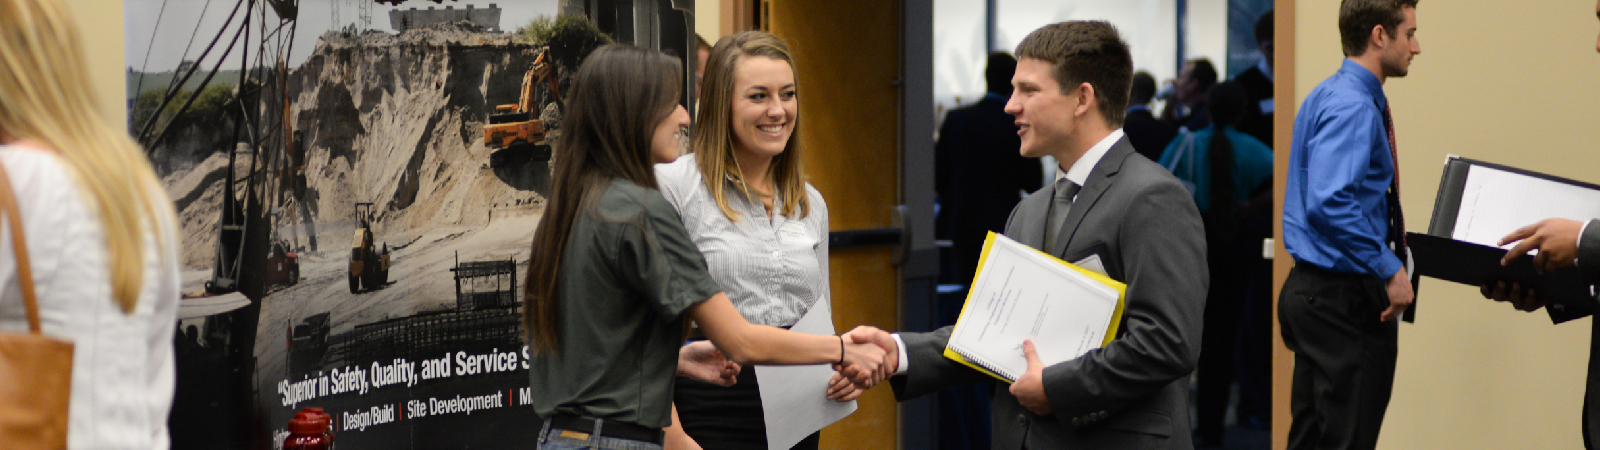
(1397, 220)
(1060, 205)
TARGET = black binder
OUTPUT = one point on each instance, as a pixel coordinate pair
(1567, 294)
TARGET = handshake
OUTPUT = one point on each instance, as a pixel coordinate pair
(851, 379)
(870, 356)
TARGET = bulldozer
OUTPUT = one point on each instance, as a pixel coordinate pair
(369, 265)
(517, 126)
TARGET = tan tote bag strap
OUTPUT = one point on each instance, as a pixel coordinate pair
(8, 206)
(35, 370)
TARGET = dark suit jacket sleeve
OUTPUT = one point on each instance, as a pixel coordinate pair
(1589, 251)
(1588, 265)
(928, 370)
(1164, 265)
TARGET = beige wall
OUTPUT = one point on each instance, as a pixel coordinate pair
(100, 26)
(708, 19)
(1506, 82)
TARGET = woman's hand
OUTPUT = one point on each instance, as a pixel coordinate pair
(862, 362)
(674, 438)
(702, 361)
(840, 389)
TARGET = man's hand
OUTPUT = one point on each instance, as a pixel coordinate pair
(1400, 295)
(1556, 239)
(702, 361)
(1029, 389)
(869, 334)
(1523, 299)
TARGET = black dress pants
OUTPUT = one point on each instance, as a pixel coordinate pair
(1219, 337)
(1344, 357)
(727, 418)
(1592, 390)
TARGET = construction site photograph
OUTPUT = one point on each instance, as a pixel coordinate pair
(356, 215)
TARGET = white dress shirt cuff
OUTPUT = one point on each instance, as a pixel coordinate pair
(901, 344)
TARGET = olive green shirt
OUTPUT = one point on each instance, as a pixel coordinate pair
(628, 273)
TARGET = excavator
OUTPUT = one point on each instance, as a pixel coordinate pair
(515, 126)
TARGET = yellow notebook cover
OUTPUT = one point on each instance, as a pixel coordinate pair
(988, 245)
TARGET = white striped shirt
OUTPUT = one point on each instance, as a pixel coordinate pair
(773, 270)
(122, 364)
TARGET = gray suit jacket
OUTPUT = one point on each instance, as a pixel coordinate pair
(1132, 394)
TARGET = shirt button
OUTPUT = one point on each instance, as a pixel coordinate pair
(1022, 419)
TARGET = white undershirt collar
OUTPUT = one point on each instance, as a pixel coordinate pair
(1079, 172)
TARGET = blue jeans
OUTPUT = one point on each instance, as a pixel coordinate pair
(552, 438)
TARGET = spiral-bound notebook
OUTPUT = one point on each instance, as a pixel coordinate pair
(1022, 293)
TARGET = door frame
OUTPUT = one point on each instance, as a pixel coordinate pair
(919, 268)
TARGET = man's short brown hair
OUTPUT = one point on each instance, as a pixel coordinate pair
(1357, 17)
(1086, 52)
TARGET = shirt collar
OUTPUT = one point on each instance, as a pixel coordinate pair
(1138, 108)
(751, 202)
(1079, 172)
(1367, 80)
(1265, 69)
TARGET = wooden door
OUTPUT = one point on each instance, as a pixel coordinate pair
(847, 61)
(1283, 128)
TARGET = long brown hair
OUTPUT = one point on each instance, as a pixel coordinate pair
(45, 95)
(712, 142)
(619, 95)
(1226, 103)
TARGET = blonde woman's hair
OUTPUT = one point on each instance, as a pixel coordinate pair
(712, 142)
(45, 95)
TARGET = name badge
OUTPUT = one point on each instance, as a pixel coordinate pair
(796, 233)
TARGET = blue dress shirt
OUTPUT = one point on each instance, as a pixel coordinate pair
(1335, 214)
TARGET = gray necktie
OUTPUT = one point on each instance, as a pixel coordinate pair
(1060, 205)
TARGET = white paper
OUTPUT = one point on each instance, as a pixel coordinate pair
(1093, 264)
(1023, 294)
(794, 399)
(1495, 202)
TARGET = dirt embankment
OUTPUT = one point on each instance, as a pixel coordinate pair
(390, 119)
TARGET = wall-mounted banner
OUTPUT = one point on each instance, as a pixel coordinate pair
(358, 188)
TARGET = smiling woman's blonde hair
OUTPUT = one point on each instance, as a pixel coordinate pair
(45, 96)
(712, 142)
